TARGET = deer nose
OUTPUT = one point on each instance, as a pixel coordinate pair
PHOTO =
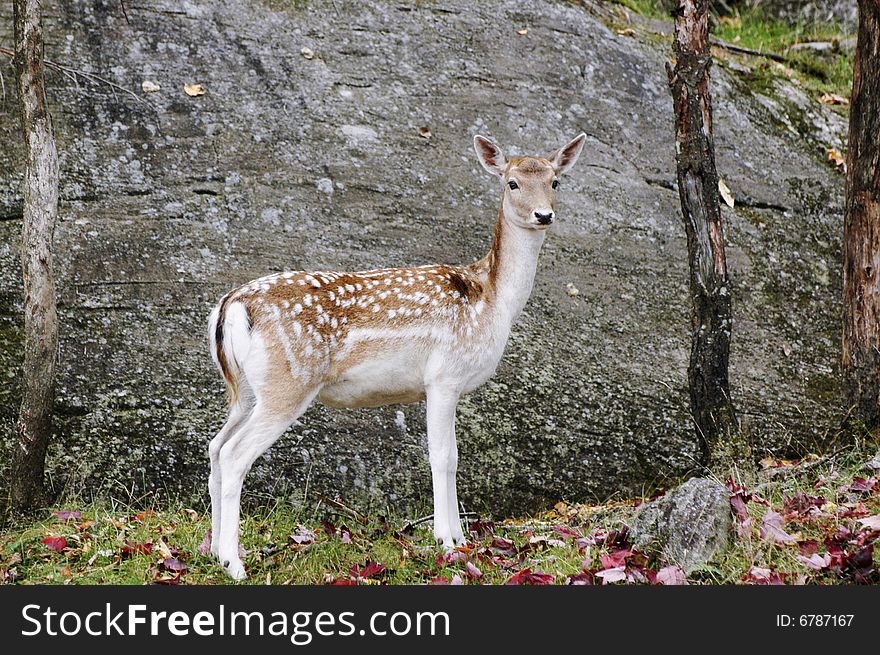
(544, 218)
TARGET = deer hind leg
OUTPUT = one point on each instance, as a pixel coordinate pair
(443, 455)
(238, 413)
(265, 424)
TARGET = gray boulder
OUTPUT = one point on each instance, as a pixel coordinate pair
(289, 162)
(688, 526)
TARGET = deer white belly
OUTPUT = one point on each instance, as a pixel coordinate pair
(394, 376)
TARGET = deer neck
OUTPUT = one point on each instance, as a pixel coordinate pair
(511, 264)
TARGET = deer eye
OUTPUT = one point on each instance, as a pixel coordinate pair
(555, 184)
(513, 185)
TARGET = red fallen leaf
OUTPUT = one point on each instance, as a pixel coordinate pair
(481, 529)
(526, 576)
(450, 558)
(585, 578)
(771, 528)
(596, 537)
(802, 503)
(342, 582)
(815, 561)
(439, 580)
(871, 522)
(863, 485)
(564, 531)
(758, 575)
(503, 546)
(671, 575)
(329, 528)
(174, 564)
(368, 570)
(855, 511)
(143, 516)
(808, 547)
(58, 544)
(615, 559)
(205, 546)
(618, 539)
(130, 549)
(66, 515)
(612, 575)
(473, 571)
(167, 578)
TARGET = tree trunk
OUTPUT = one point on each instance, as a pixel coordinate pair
(711, 404)
(34, 426)
(861, 227)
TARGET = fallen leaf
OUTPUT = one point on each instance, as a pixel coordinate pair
(174, 564)
(771, 528)
(726, 195)
(585, 578)
(193, 515)
(671, 575)
(527, 577)
(571, 290)
(833, 99)
(837, 159)
(163, 550)
(303, 537)
(194, 90)
(149, 87)
(66, 515)
(308, 53)
(627, 32)
(369, 569)
(862, 484)
(815, 561)
(473, 571)
(58, 544)
(138, 549)
(523, 31)
(612, 575)
(425, 132)
(205, 546)
(871, 522)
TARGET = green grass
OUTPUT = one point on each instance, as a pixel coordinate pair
(115, 543)
(820, 73)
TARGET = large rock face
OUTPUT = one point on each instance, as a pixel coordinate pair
(290, 163)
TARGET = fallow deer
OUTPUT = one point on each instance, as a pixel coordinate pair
(394, 335)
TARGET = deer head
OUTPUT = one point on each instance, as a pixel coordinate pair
(529, 183)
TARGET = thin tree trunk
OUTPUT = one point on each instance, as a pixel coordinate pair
(861, 227)
(711, 404)
(34, 426)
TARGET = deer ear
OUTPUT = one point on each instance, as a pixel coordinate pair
(490, 155)
(564, 158)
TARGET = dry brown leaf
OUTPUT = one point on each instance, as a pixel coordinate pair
(425, 132)
(193, 90)
(726, 195)
(523, 31)
(149, 87)
(193, 515)
(308, 53)
(627, 32)
(837, 159)
(833, 99)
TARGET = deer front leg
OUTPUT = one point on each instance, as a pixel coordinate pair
(443, 456)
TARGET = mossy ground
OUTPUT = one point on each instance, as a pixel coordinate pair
(824, 503)
(819, 71)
